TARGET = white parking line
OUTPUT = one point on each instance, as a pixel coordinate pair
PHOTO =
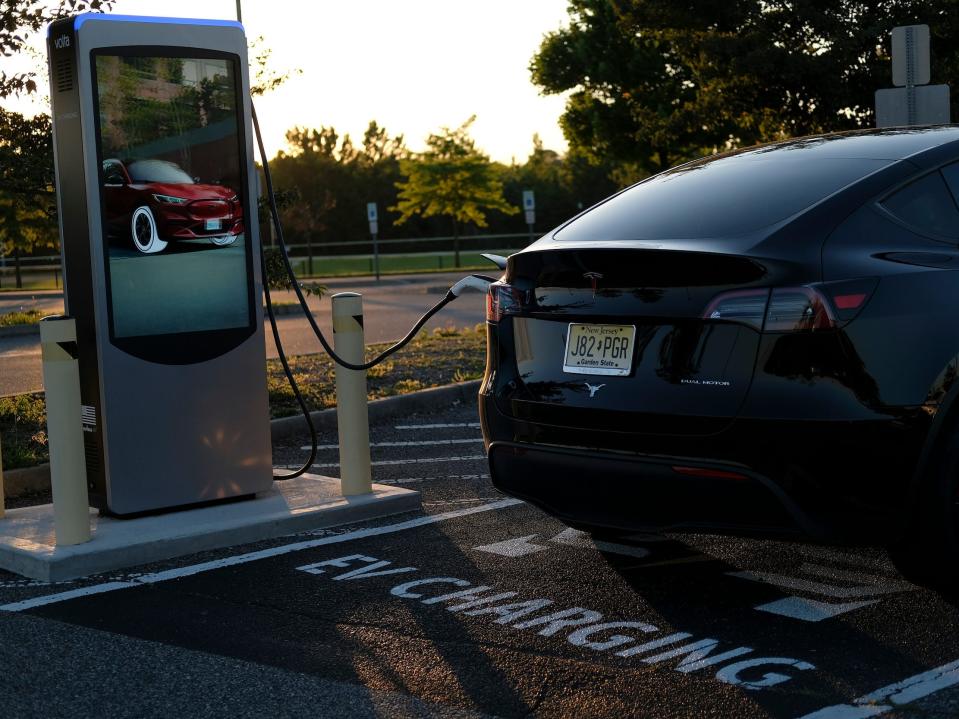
(188, 571)
(424, 443)
(438, 426)
(894, 695)
(418, 460)
(413, 480)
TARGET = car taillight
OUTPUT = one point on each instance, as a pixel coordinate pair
(794, 309)
(502, 299)
(746, 306)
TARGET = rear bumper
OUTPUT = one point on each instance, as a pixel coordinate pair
(834, 482)
(611, 491)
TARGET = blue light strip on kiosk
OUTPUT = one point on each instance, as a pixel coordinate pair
(80, 19)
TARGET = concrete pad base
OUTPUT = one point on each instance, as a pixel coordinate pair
(28, 544)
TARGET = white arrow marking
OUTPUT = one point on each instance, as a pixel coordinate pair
(904, 692)
(518, 547)
(575, 538)
(809, 610)
(826, 590)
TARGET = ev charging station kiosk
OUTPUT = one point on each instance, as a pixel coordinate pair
(160, 245)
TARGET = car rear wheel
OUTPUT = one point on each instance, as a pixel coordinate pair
(224, 241)
(143, 228)
(929, 555)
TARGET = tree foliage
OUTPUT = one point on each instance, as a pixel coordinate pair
(656, 82)
(331, 180)
(27, 202)
(451, 178)
(265, 78)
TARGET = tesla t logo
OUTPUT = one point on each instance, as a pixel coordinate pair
(593, 388)
(593, 278)
(62, 42)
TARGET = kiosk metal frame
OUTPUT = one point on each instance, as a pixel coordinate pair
(170, 342)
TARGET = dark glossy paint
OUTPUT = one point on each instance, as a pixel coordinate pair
(830, 428)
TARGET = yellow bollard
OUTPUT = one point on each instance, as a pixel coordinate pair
(68, 473)
(352, 416)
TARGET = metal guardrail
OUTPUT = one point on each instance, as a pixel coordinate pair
(45, 272)
(35, 275)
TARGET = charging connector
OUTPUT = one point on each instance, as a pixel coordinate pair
(480, 283)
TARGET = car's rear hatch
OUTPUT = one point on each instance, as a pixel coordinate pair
(687, 372)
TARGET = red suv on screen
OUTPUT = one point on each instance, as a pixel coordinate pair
(154, 202)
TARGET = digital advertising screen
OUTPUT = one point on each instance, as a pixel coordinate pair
(172, 185)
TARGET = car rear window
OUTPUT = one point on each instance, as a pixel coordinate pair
(926, 204)
(720, 198)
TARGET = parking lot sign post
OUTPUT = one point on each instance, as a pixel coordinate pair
(913, 101)
(529, 206)
(371, 216)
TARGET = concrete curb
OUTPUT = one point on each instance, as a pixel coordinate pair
(28, 538)
(19, 330)
(28, 480)
(31, 480)
(426, 400)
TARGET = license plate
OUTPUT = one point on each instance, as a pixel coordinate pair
(211, 224)
(599, 349)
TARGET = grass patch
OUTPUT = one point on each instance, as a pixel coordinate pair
(30, 317)
(23, 430)
(433, 359)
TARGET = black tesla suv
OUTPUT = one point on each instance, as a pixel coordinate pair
(762, 342)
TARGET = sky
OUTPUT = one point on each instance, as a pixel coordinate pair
(414, 66)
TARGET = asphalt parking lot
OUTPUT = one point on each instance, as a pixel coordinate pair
(482, 605)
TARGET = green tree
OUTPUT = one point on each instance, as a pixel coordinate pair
(451, 178)
(24, 227)
(27, 202)
(265, 78)
(656, 82)
(334, 179)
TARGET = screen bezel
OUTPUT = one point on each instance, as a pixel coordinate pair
(178, 348)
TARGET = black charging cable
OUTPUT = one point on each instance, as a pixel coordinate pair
(290, 378)
(478, 282)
